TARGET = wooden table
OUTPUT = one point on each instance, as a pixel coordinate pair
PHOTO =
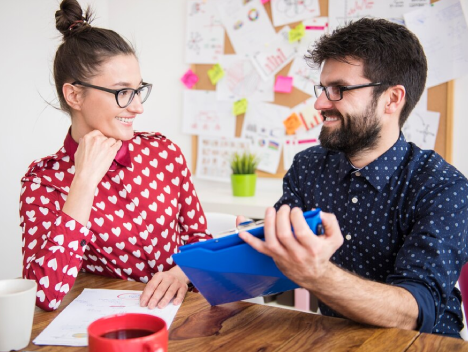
(242, 326)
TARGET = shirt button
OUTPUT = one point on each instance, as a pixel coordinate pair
(82, 243)
(348, 236)
(357, 173)
(354, 200)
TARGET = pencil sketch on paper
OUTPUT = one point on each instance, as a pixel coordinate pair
(421, 128)
(289, 11)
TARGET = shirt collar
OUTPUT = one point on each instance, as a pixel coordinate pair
(122, 157)
(378, 172)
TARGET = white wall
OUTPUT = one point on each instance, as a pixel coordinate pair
(31, 129)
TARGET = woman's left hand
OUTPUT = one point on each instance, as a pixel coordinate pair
(163, 287)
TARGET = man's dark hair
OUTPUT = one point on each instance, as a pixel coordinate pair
(390, 54)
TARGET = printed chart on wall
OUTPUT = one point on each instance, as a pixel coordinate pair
(249, 86)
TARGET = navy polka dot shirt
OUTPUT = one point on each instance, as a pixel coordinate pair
(404, 219)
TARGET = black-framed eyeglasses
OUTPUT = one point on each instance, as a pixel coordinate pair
(335, 93)
(123, 97)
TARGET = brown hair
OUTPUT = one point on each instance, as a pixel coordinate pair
(84, 48)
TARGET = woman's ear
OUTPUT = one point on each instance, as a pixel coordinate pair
(72, 95)
(395, 99)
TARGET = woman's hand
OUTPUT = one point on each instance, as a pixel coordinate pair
(94, 156)
(163, 287)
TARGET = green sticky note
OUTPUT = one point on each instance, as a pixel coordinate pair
(297, 33)
(215, 73)
(240, 107)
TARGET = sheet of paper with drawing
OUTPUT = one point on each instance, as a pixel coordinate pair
(263, 126)
(69, 328)
(421, 128)
(343, 11)
(443, 32)
(247, 24)
(205, 115)
(205, 33)
(214, 154)
(287, 11)
(241, 80)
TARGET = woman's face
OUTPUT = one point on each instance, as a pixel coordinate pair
(99, 109)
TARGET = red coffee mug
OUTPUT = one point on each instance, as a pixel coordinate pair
(128, 332)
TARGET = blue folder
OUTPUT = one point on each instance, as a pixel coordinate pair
(227, 269)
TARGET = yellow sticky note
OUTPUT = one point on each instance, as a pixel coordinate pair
(215, 73)
(240, 107)
(297, 33)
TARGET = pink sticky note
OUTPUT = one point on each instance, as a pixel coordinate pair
(283, 84)
(189, 79)
(265, 1)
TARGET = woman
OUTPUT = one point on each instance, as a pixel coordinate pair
(111, 201)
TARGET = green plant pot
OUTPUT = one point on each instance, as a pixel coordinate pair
(243, 185)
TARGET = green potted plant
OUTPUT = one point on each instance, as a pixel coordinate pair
(243, 178)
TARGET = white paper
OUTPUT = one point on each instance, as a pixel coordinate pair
(263, 125)
(341, 12)
(421, 128)
(443, 32)
(248, 26)
(205, 33)
(205, 115)
(315, 28)
(422, 103)
(276, 55)
(293, 145)
(289, 11)
(241, 80)
(69, 328)
(214, 155)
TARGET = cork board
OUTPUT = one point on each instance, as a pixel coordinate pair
(440, 99)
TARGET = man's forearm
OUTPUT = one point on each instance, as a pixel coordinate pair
(365, 301)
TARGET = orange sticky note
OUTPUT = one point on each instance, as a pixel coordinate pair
(292, 123)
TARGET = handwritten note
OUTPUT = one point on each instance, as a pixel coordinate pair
(69, 328)
(287, 11)
(189, 79)
(215, 74)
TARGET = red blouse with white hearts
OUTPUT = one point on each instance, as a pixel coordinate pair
(140, 216)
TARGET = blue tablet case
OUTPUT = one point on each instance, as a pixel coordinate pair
(227, 269)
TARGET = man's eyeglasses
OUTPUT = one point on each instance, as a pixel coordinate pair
(123, 97)
(335, 93)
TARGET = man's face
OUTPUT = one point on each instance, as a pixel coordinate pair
(351, 125)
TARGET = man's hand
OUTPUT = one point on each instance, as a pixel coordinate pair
(302, 256)
(163, 287)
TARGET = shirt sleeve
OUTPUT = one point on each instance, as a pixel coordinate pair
(192, 220)
(53, 243)
(430, 261)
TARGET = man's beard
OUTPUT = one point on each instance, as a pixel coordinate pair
(356, 133)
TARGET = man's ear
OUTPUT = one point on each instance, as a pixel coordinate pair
(395, 99)
(73, 96)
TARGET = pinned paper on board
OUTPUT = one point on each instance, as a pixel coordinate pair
(214, 154)
(241, 80)
(293, 145)
(292, 123)
(442, 29)
(189, 79)
(341, 12)
(289, 11)
(205, 33)
(205, 115)
(263, 126)
(421, 128)
(304, 77)
(239, 107)
(297, 33)
(310, 118)
(275, 56)
(247, 24)
(283, 84)
(215, 74)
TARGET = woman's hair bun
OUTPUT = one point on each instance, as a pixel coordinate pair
(69, 20)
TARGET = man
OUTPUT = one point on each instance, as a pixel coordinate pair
(395, 216)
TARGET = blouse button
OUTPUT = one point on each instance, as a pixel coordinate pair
(348, 236)
(354, 200)
(357, 173)
(82, 243)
